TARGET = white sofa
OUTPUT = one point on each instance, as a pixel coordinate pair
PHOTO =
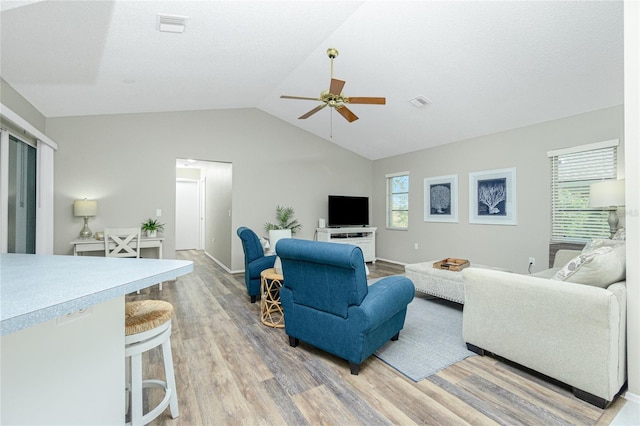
(572, 332)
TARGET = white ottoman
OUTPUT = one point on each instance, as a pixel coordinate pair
(439, 282)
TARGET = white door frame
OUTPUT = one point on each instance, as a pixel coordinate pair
(202, 200)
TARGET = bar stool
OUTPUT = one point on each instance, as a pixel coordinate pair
(148, 325)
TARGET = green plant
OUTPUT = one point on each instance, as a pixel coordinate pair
(152, 225)
(285, 220)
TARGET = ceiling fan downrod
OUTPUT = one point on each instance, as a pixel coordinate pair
(332, 53)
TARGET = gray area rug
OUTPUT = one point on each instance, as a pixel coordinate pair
(430, 340)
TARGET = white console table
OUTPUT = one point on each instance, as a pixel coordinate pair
(363, 237)
(82, 245)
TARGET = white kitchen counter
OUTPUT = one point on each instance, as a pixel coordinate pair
(37, 288)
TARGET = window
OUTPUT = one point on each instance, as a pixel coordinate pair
(573, 170)
(398, 200)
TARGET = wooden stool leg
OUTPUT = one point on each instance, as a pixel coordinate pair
(169, 375)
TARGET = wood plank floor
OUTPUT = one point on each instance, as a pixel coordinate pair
(231, 369)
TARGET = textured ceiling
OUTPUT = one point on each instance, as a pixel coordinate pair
(486, 66)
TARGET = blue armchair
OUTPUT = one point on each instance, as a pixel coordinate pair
(254, 261)
(327, 302)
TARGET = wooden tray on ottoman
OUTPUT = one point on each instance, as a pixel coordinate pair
(452, 264)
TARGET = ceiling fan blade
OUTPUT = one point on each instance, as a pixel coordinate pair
(336, 86)
(313, 111)
(300, 97)
(346, 113)
(365, 100)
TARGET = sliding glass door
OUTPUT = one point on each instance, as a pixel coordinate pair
(21, 195)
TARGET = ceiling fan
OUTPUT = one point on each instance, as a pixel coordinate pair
(333, 97)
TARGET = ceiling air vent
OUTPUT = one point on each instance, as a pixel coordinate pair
(171, 23)
(419, 101)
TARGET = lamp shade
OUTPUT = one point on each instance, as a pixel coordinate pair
(608, 193)
(85, 208)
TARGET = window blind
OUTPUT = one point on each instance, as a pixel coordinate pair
(573, 220)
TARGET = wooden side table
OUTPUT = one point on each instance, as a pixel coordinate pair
(271, 313)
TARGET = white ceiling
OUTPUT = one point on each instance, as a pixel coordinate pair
(486, 66)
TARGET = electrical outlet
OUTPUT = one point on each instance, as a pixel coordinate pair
(158, 212)
(532, 261)
(415, 246)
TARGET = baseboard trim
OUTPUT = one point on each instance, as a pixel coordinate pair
(223, 266)
(631, 397)
(391, 261)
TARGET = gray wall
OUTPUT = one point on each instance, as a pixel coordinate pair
(127, 163)
(18, 104)
(499, 245)
(219, 202)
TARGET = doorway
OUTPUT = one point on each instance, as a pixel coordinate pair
(210, 183)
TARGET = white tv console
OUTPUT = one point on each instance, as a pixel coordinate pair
(363, 237)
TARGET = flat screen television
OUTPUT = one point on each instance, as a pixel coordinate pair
(348, 211)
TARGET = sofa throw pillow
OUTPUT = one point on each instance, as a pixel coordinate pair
(599, 267)
(601, 242)
(620, 234)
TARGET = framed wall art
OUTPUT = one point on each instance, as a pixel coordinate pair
(492, 197)
(441, 199)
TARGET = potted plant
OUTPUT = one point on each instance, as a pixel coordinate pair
(151, 227)
(284, 227)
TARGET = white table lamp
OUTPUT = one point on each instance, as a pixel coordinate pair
(85, 208)
(608, 193)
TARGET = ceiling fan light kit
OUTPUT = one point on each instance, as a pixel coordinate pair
(334, 98)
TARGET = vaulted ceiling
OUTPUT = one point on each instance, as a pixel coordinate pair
(484, 66)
